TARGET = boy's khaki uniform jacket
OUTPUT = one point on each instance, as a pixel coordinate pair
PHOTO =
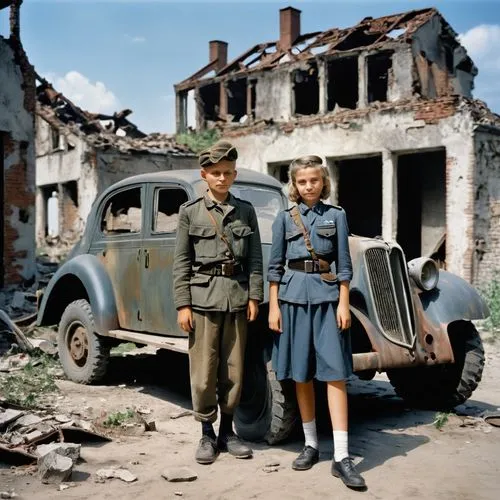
(198, 244)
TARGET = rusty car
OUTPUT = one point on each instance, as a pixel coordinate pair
(411, 320)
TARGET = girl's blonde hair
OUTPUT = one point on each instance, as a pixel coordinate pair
(309, 161)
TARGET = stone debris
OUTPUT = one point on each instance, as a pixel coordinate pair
(27, 420)
(54, 468)
(272, 462)
(65, 486)
(178, 493)
(119, 473)
(14, 362)
(8, 494)
(44, 345)
(179, 474)
(270, 469)
(70, 450)
(9, 415)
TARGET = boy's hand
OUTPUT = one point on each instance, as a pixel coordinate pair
(343, 317)
(252, 310)
(185, 318)
(275, 319)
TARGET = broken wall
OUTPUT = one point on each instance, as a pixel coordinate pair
(411, 128)
(487, 206)
(17, 101)
(273, 96)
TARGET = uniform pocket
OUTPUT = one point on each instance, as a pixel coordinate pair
(241, 235)
(200, 280)
(204, 241)
(326, 231)
(294, 234)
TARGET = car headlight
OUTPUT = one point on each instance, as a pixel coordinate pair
(424, 272)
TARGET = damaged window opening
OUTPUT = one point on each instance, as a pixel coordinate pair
(279, 171)
(71, 190)
(122, 213)
(237, 98)
(55, 138)
(210, 98)
(306, 90)
(168, 202)
(378, 66)
(253, 97)
(343, 83)
(51, 209)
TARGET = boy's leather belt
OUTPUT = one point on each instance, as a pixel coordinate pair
(222, 269)
(309, 266)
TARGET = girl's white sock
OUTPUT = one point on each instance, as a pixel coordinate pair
(310, 433)
(341, 447)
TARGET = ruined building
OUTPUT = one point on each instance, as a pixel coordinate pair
(17, 156)
(388, 103)
(79, 154)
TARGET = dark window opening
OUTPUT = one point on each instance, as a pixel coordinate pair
(55, 137)
(279, 171)
(253, 98)
(71, 190)
(421, 227)
(123, 213)
(361, 179)
(378, 66)
(449, 59)
(49, 191)
(210, 99)
(343, 83)
(237, 98)
(306, 90)
(166, 216)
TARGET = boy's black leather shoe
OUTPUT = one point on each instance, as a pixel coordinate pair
(207, 451)
(346, 471)
(307, 458)
(234, 446)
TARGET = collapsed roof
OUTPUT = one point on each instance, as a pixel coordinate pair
(369, 33)
(100, 129)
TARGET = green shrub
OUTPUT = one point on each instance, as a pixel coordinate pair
(197, 141)
(491, 293)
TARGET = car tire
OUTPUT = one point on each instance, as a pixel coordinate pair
(83, 354)
(268, 407)
(442, 387)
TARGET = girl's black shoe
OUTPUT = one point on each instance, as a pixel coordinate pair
(307, 458)
(346, 471)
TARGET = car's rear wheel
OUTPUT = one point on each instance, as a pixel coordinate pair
(83, 354)
(444, 386)
(268, 408)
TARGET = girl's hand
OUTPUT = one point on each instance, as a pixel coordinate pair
(343, 317)
(275, 319)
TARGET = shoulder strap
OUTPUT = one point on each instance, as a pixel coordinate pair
(221, 235)
(295, 214)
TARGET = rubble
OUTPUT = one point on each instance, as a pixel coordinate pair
(54, 468)
(179, 474)
(70, 450)
(118, 473)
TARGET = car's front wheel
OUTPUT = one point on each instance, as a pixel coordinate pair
(444, 386)
(83, 354)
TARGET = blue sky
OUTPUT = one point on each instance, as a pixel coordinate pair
(115, 54)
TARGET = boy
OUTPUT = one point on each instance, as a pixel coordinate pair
(217, 288)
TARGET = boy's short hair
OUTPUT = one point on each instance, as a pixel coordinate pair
(221, 150)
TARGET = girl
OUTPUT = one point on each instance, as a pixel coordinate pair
(309, 308)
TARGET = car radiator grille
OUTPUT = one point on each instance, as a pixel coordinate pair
(390, 291)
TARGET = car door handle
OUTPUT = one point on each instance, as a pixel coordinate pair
(146, 260)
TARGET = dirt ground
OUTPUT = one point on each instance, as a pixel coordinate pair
(400, 452)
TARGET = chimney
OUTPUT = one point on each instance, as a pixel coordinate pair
(218, 52)
(15, 31)
(289, 27)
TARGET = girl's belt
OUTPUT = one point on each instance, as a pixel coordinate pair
(309, 266)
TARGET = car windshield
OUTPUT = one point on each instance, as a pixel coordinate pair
(267, 204)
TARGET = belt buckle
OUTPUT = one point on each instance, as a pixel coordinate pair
(309, 266)
(227, 268)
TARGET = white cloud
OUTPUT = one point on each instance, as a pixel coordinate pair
(482, 43)
(93, 97)
(135, 39)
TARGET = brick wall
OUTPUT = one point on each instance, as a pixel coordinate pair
(487, 207)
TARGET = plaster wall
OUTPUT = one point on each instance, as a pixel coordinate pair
(401, 75)
(18, 183)
(273, 93)
(384, 133)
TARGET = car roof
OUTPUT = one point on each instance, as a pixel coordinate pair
(191, 176)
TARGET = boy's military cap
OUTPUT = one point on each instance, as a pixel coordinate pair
(221, 150)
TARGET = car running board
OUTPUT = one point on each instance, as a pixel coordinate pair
(179, 344)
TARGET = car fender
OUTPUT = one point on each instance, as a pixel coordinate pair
(92, 274)
(453, 299)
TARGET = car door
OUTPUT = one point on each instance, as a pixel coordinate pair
(117, 243)
(158, 312)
